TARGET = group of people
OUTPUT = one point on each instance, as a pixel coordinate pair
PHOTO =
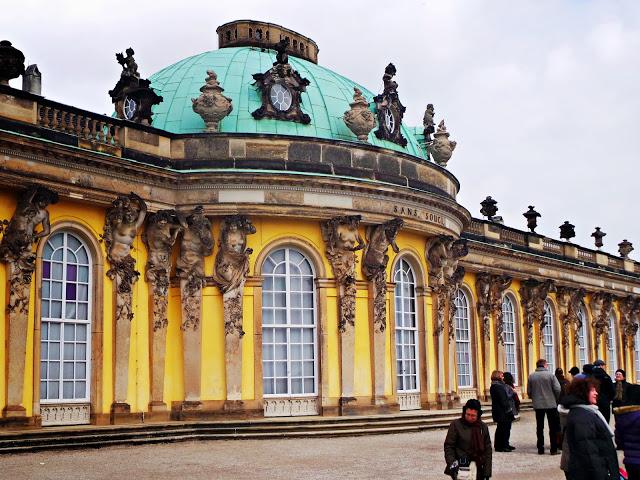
(578, 415)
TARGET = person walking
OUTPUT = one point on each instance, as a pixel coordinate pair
(628, 431)
(590, 453)
(620, 389)
(543, 389)
(502, 411)
(564, 383)
(606, 392)
(468, 440)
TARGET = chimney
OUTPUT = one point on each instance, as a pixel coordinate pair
(32, 80)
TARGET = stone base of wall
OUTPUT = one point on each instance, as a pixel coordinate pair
(291, 407)
(65, 414)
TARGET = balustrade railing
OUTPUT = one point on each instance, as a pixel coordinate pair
(517, 238)
(586, 255)
(551, 246)
(85, 126)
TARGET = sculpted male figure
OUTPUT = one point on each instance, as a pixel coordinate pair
(162, 230)
(121, 227)
(232, 261)
(379, 239)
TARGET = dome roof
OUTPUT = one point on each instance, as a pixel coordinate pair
(325, 100)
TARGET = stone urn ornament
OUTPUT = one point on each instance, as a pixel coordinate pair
(442, 148)
(598, 235)
(11, 62)
(489, 207)
(625, 247)
(567, 231)
(532, 218)
(359, 119)
(212, 105)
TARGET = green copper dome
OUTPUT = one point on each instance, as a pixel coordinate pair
(325, 100)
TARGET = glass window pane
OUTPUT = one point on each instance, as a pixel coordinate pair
(67, 371)
(267, 386)
(81, 351)
(267, 352)
(45, 308)
(83, 309)
(81, 390)
(68, 351)
(83, 274)
(54, 370)
(56, 290)
(54, 351)
(309, 386)
(82, 256)
(72, 242)
(83, 293)
(267, 369)
(56, 270)
(281, 386)
(67, 390)
(57, 256)
(296, 386)
(56, 310)
(53, 390)
(70, 311)
(56, 240)
(81, 370)
(81, 333)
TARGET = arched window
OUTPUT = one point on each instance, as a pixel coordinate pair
(463, 340)
(611, 344)
(510, 337)
(406, 328)
(65, 320)
(289, 337)
(548, 338)
(583, 338)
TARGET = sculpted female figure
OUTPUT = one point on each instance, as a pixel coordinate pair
(122, 222)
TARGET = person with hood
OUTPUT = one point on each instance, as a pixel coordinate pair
(588, 452)
(628, 431)
(468, 440)
(620, 388)
(502, 411)
(606, 392)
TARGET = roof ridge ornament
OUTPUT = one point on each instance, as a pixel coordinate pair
(389, 109)
(359, 119)
(281, 87)
(212, 105)
(442, 148)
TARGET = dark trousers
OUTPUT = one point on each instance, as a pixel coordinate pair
(503, 432)
(553, 419)
(633, 471)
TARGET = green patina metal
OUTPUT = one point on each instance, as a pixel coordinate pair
(326, 99)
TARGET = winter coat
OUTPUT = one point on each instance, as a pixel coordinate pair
(502, 406)
(566, 453)
(458, 444)
(628, 433)
(607, 390)
(592, 455)
(543, 389)
(625, 387)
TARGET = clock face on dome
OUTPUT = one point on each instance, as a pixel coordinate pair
(280, 97)
(129, 108)
(389, 121)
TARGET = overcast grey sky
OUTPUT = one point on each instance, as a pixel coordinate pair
(541, 96)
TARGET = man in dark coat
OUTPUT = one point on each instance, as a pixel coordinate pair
(628, 431)
(468, 438)
(607, 392)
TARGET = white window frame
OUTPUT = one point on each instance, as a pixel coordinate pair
(637, 355)
(462, 317)
(288, 326)
(404, 276)
(583, 338)
(612, 345)
(509, 320)
(548, 336)
(62, 321)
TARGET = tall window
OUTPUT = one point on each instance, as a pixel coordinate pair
(611, 344)
(548, 337)
(463, 340)
(406, 328)
(510, 339)
(583, 338)
(288, 325)
(65, 320)
(637, 355)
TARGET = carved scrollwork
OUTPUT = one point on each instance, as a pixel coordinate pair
(196, 244)
(629, 316)
(342, 239)
(445, 276)
(489, 289)
(601, 307)
(569, 301)
(159, 237)
(374, 265)
(231, 268)
(533, 293)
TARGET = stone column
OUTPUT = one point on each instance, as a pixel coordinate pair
(330, 405)
(16, 251)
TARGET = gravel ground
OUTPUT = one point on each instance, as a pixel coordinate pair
(407, 455)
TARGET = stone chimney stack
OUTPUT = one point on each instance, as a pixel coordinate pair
(32, 80)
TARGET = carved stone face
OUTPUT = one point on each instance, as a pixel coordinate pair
(235, 240)
(348, 237)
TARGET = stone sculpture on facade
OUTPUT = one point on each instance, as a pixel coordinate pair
(601, 308)
(442, 148)
(342, 240)
(569, 301)
(280, 88)
(122, 222)
(598, 235)
(11, 62)
(567, 231)
(374, 265)
(489, 289)
(625, 247)
(195, 244)
(445, 275)
(629, 308)
(533, 294)
(231, 268)
(133, 96)
(532, 218)
(428, 123)
(489, 208)
(389, 109)
(16, 250)
(359, 119)
(212, 105)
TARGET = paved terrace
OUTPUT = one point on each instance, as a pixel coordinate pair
(407, 455)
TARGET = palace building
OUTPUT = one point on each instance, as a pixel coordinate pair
(252, 234)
